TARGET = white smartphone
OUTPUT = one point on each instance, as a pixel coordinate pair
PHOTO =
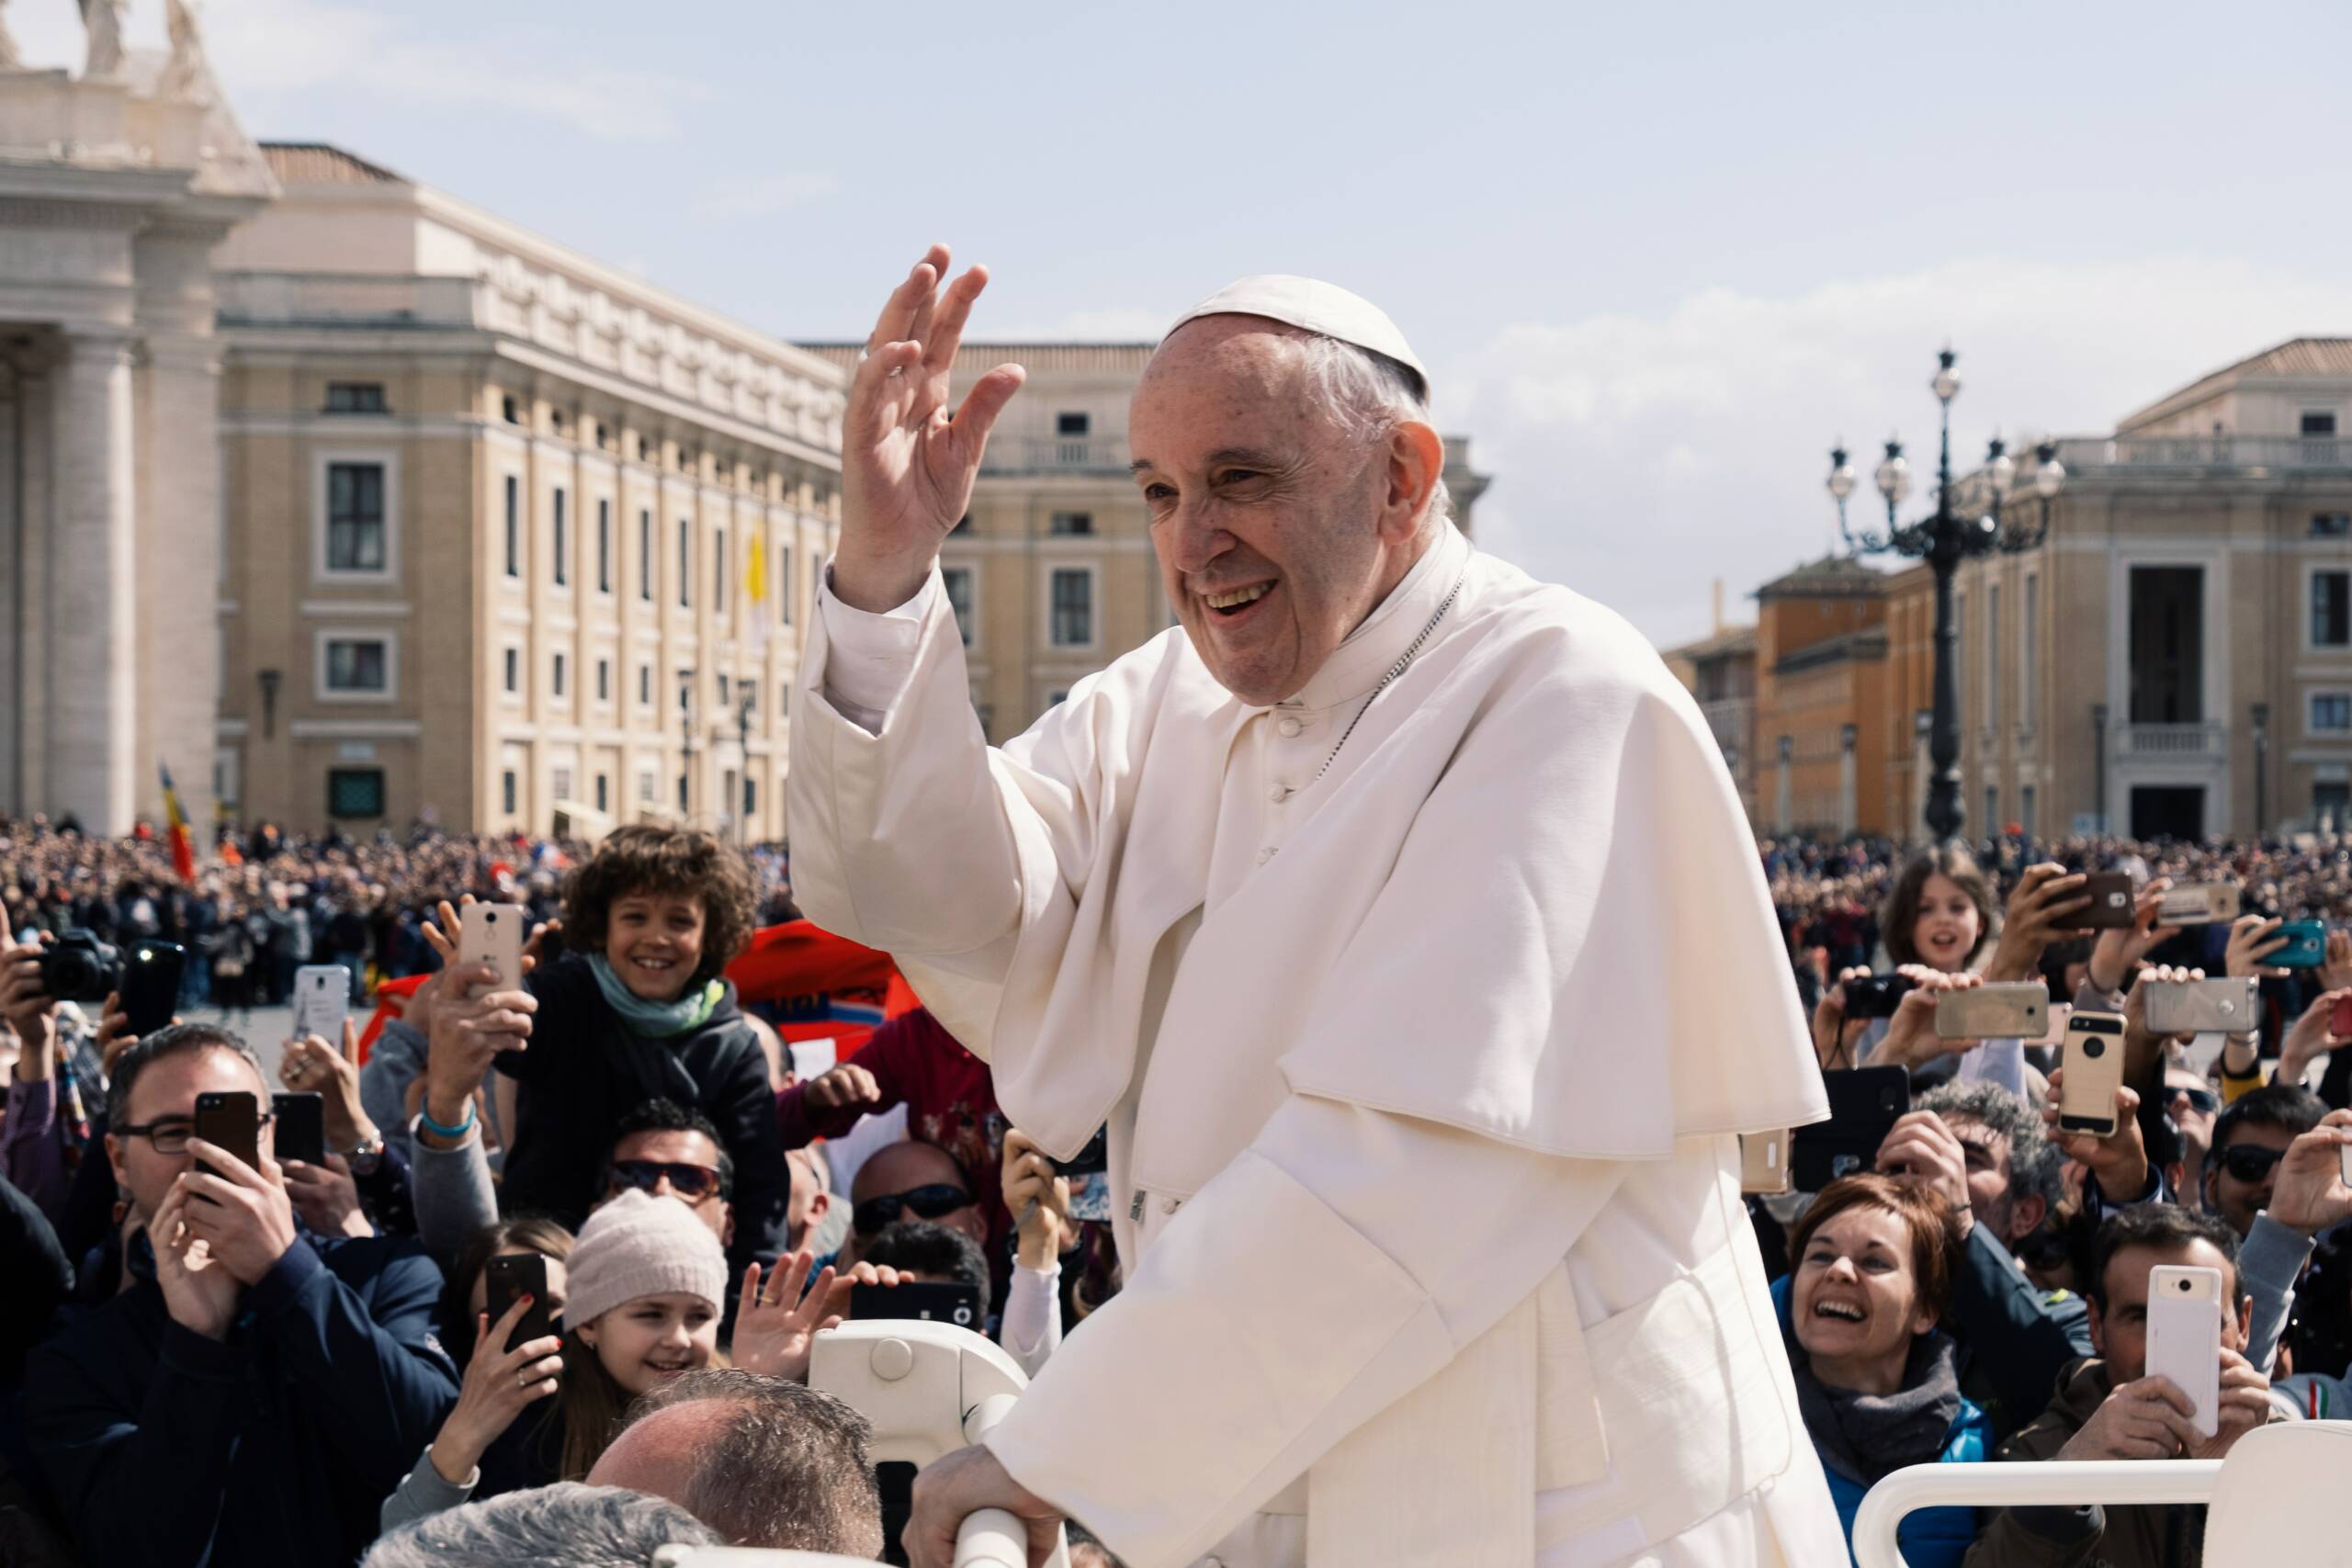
(2055, 1035)
(322, 1001)
(2185, 1336)
(2092, 1059)
(494, 934)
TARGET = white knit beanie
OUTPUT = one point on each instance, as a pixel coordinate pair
(640, 1244)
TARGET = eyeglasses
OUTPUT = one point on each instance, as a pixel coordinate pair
(2250, 1162)
(691, 1183)
(170, 1137)
(2204, 1102)
(928, 1201)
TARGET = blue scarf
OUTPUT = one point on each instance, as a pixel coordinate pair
(655, 1021)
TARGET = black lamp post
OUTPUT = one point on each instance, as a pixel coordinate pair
(1943, 541)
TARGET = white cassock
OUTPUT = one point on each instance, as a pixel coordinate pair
(1421, 1061)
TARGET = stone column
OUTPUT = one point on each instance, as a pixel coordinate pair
(179, 572)
(13, 793)
(34, 396)
(93, 599)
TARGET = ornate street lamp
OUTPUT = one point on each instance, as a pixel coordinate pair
(1943, 541)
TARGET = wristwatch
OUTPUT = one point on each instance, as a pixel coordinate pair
(365, 1155)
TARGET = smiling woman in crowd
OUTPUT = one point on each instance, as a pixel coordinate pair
(1877, 1382)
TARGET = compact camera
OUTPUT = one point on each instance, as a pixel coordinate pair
(78, 967)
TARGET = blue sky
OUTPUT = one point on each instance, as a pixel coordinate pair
(1658, 256)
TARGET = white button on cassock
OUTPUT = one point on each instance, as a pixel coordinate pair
(1290, 726)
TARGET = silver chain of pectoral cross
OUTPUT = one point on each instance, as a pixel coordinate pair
(1394, 670)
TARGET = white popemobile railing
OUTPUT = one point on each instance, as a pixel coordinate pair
(928, 1388)
(2271, 1501)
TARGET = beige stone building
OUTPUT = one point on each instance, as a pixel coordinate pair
(2177, 658)
(490, 510)
(1052, 573)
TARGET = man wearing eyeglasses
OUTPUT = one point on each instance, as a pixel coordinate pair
(2249, 1139)
(255, 1391)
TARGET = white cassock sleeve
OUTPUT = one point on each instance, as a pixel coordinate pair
(872, 656)
(1330, 1269)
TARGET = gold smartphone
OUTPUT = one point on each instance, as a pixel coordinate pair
(2200, 904)
(2093, 1062)
(1764, 1163)
(2016, 1010)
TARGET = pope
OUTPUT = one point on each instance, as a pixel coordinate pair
(1396, 913)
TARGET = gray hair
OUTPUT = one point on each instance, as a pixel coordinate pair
(2034, 1160)
(563, 1526)
(180, 1037)
(788, 1469)
(1367, 394)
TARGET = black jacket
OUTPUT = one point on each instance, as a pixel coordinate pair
(276, 1446)
(584, 1071)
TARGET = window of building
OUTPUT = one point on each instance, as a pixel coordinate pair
(2030, 661)
(645, 555)
(358, 665)
(2331, 803)
(355, 530)
(1073, 606)
(645, 685)
(513, 679)
(783, 584)
(354, 792)
(604, 436)
(959, 580)
(685, 562)
(2331, 525)
(685, 691)
(722, 690)
(2331, 713)
(513, 416)
(562, 543)
(560, 781)
(1072, 423)
(1992, 654)
(644, 454)
(603, 679)
(2028, 812)
(506, 792)
(355, 397)
(604, 545)
(649, 787)
(718, 572)
(1068, 523)
(555, 420)
(682, 793)
(513, 526)
(2319, 422)
(1993, 823)
(2331, 609)
(555, 680)
(603, 792)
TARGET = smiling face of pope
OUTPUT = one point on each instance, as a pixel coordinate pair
(1279, 521)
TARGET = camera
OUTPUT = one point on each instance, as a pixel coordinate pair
(2094, 1046)
(1092, 1160)
(78, 967)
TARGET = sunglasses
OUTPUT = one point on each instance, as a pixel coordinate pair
(928, 1201)
(691, 1183)
(2249, 1162)
(2204, 1102)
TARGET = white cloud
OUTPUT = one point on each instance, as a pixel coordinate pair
(1637, 456)
(260, 49)
(761, 198)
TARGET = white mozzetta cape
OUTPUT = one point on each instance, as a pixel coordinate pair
(1522, 937)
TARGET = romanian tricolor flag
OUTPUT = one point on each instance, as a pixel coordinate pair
(183, 852)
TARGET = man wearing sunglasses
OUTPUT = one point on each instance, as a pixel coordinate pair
(2249, 1138)
(255, 1391)
(663, 1147)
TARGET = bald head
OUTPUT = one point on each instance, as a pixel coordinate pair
(659, 1455)
(899, 1170)
(1292, 481)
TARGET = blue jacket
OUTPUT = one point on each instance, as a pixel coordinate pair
(1930, 1537)
(274, 1447)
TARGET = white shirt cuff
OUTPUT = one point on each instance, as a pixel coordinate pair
(870, 658)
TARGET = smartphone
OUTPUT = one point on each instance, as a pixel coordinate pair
(934, 1301)
(2202, 1007)
(1864, 1105)
(2339, 1025)
(508, 1278)
(2185, 1336)
(2200, 904)
(2093, 1061)
(2055, 1035)
(1764, 1163)
(322, 1001)
(229, 1121)
(150, 984)
(299, 1131)
(1875, 996)
(2306, 945)
(1092, 1160)
(2007, 1011)
(2112, 901)
(494, 934)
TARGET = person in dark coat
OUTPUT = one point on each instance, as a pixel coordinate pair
(637, 1011)
(256, 1390)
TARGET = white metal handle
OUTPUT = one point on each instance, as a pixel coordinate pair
(2053, 1484)
(993, 1539)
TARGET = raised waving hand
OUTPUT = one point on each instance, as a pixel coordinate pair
(909, 456)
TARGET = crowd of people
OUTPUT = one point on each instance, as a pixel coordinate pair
(221, 1355)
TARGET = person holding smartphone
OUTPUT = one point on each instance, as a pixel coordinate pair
(255, 1390)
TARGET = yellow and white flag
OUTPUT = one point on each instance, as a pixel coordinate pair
(756, 583)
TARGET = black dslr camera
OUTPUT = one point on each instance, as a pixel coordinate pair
(78, 967)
